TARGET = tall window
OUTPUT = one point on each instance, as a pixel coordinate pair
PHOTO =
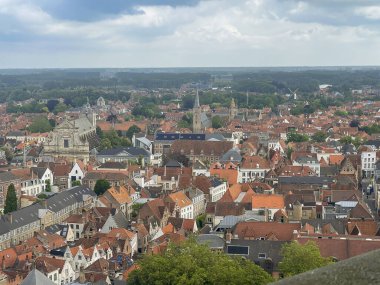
(66, 143)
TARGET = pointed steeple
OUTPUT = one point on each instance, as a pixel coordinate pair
(196, 103)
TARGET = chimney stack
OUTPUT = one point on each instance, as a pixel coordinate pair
(10, 218)
(228, 236)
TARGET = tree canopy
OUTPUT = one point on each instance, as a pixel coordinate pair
(190, 263)
(11, 200)
(40, 125)
(319, 137)
(217, 122)
(295, 137)
(101, 186)
(112, 139)
(298, 258)
(132, 130)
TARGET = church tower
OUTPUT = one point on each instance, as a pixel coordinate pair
(197, 123)
(233, 110)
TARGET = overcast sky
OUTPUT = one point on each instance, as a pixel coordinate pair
(188, 33)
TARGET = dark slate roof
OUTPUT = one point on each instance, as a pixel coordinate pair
(130, 151)
(330, 170)
(212, 241)
(231, 155)
(16, 134)
(362, 269)
(375, 143)
(215, 182)
(305, 180)
(348, 149)
(176, 136)
(40, 171)
(7, 176)
(55, 203)
(120, 220)
(271, 248)
(173, 163)
(113, 165)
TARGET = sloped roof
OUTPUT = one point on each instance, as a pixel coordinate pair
(268, 201)
(35, 277)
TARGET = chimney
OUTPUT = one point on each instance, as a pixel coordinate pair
(10, 218)
(82, 277)
(228, 236)
(44, 204)
(295, 234)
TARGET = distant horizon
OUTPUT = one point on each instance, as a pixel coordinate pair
(311, 67)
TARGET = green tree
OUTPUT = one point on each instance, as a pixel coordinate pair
(346, 140)
(61, 107)
(132, 130)
(75, 183)
(99, 132)
(8, 154)
(295, 137)
(135, 209)
(40, 125)
(190, 263)
(298, 258)
(48, 185)
(101, 186)
(11, 200)
(341, 113)
(105, 143)
(319, 137)
(217, 122)
(289, 152)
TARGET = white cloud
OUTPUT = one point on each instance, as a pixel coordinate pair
(370, 12)
(212, 33)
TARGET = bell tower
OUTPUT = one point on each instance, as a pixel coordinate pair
(233, 110)
(197, 123)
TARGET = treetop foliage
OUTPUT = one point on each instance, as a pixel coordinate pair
(190, 263)
(298, 258)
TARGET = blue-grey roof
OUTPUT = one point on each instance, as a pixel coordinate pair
(305, 180)
(129, 151)
(216, 182)
(218, 137)
(177, 136)
(212, 241)
(307, 159)
(55, 203)
(375, 143)
(232, 155)
(7, 176)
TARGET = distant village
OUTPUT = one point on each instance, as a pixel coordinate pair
(88, 210)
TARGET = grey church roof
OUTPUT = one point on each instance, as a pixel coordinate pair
(35, 277)
(83, 123)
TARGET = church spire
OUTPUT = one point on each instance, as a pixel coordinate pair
(196, 103)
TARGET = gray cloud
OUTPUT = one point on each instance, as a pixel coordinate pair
(206, 33)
